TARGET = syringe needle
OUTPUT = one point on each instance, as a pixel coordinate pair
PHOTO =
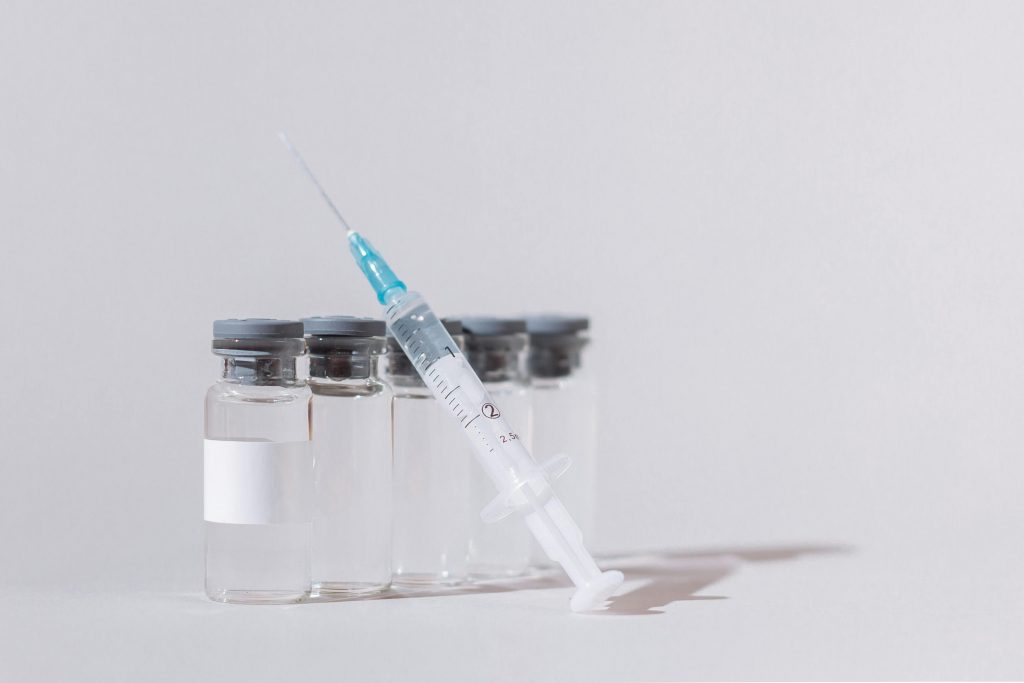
(319, 187)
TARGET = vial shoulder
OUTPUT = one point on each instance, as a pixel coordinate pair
(507, 388)
(233, 392)
(367, 389)
(415, 391)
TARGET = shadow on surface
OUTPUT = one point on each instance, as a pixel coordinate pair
(666, 576)
(678, 575)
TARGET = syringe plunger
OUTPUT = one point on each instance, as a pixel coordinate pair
(558, 535)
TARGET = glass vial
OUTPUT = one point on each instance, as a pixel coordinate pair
(564, 399)
(351, 427)
(495, 348)
(433, 465)
(258, 466)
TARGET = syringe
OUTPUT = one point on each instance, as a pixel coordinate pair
(523, 485)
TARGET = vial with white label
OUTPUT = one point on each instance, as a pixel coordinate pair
(495, 349)
(433, 466)
(258, 465)
(564, 399)
(351, 427)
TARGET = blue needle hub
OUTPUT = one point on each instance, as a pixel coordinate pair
(374, 267)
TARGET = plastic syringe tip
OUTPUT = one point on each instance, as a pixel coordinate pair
(374, 267)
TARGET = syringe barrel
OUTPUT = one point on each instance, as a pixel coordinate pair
(448, 375)
(522, 485)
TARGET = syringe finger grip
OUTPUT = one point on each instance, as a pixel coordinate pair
(556, 466)
(507, 502)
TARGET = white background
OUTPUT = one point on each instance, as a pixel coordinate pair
(797, 227)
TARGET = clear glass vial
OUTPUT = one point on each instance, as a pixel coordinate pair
(258, 466)
(432, 475)
(564, 399)
(351, 427)
(495, 348)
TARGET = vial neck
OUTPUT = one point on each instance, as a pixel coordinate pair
(344, 366)
(553, 363)
(400, 369)
(555, 356)
(493, 365)
(260, 370)
(496, 358)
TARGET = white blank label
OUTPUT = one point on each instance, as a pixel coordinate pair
(257, 482)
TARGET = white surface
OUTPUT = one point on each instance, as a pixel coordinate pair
(783, 613)
(826, 197)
